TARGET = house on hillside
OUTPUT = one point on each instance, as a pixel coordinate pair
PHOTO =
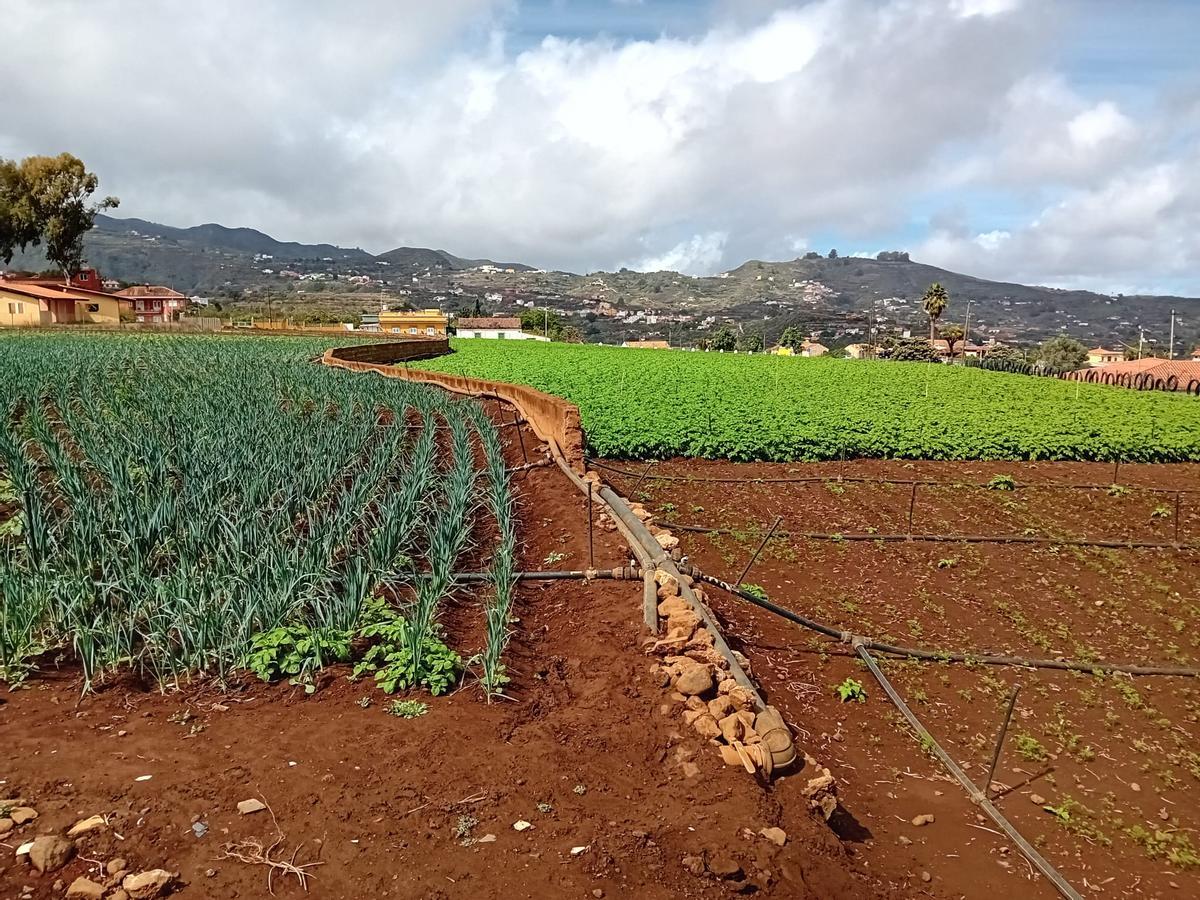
(1101, 357)
(153, 302)
(31, 304)
(425, 322)
(857, 351)
(495, 327)
(812, 348)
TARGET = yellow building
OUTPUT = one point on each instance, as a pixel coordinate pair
(425, 322)
(26, 304)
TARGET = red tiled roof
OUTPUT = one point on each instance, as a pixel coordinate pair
(491, 322)
(45, 292)
(147, 291)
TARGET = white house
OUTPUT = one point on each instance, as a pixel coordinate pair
(495, 327)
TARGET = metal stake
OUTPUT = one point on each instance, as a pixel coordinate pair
(761, 544)
(591, 552)
(1116, 469)
(520, 437)
(1177, 517)
(637, 484)
(1012, 704)
(911, 504)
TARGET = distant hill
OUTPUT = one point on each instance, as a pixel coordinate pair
(837, 298)
(207, 258)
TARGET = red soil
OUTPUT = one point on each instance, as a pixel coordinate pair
(376, 800)
(1121, 753)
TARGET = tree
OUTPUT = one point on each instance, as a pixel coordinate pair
(934, 302)
(812, 254)
(833, 254)
(569, 334)
(723, 339)
(541, 321)
(907, 350)
(45, 200)
(1005, 352)
(952, 334)
(1062, 353)
(791, 338)
(750, 342)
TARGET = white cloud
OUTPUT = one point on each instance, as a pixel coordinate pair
(700, 254)
(1137, 222)
(382, 123)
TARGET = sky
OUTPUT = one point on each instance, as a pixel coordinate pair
(1039, 141)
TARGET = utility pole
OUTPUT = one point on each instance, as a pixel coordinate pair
(546, 322)
(1171, 349)
(1141, 339)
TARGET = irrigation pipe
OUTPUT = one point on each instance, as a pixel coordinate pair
(977, 796)
(863, 479)
(618, 573)
(939, 656)
(949, 538)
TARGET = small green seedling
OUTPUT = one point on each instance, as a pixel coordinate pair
(947, 563)
(1002, 483)
(755, 590)
(407, 709)
(1160, 512)
(851, 690)
(1117, 490)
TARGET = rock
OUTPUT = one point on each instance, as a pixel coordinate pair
(118, 894)
(668, 584)
(733, 728)
(683, 622)
(1135, 787)
(50, 852)
(115, 865)
(23, 814)
(904, 840)
(690, 770)
(923, 819)
(1038, 799)
(576, 851)
(247, 807)
(7, 825)
(83, 826)
(693, 680)
(720, 707)
(598, 893)
(86, 889)
(694, 864)
(673, 606)
(926, 877)
(25, 848)
(487, 839)
(149, 884)
(701, 638)
(776, 836)
(725, 867)
(666, 540)
(522, 825)
(706, 726)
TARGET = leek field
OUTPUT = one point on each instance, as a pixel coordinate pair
(182, 505)
(661, 403)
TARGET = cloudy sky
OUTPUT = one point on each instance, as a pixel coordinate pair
(1047, 141)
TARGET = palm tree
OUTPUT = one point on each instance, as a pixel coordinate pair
(934, 303)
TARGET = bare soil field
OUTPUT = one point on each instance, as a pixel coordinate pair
(1100, 772)
(621, 799)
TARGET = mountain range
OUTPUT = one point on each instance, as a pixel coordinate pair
(818, 293)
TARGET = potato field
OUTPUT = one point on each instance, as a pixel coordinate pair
(658, 403)
(184, 505)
